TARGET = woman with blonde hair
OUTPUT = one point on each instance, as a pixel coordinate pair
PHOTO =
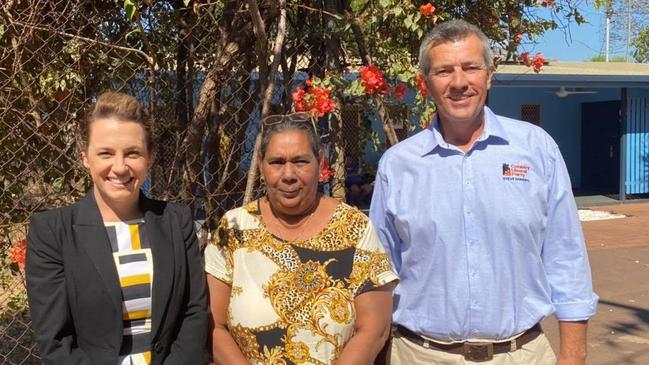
(116, 278)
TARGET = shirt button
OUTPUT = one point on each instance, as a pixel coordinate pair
(473, 274)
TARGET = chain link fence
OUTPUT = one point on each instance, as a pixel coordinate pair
(195, 65)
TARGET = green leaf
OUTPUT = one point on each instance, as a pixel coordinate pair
(420, 33)
(186, 2)
(130, 8)
(384, 3)
(2, 30)
(136, 30)
(57, 184)
(408, 21)
(355, 88)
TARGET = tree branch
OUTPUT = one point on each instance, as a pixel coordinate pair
(388, 126)
(268, 95)
(148, 58)
(259, 28)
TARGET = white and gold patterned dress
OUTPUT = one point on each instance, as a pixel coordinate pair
(293, 302)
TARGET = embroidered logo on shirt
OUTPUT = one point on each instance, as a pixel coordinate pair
(516, 172)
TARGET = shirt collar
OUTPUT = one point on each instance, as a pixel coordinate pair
(492, 128)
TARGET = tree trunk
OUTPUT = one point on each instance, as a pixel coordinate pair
(268, 91)
(236, 36)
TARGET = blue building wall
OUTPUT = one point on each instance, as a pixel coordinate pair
(638, 92)
(560, 117)
(637, 143)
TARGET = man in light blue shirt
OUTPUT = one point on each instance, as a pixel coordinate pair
(478, 216)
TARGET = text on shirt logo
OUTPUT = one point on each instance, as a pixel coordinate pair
(516, 172)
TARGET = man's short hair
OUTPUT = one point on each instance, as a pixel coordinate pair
(452, 31)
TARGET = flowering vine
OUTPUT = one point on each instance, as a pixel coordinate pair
(427, 10)
(421, 84)
(400, 91)
(326, 173)
(373, 80)
(548, 3)
(18, 252)
(535, 63)
(321, 96)
(315, 100)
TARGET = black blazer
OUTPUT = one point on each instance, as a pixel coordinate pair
(74, 293)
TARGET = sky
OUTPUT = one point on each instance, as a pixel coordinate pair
(579, 43)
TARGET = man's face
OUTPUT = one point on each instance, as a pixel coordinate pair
(459, 80)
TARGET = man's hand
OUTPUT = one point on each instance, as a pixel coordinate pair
(572, 350)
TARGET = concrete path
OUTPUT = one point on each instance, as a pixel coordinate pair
(619, 258)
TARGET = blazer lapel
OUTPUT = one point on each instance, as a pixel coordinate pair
(90, 234)
(158, 229)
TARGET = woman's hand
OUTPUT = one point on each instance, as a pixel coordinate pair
(224, 349)
(372, 326)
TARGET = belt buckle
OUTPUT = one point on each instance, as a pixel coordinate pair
(478, 351)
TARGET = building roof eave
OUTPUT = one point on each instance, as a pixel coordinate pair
(549, 80)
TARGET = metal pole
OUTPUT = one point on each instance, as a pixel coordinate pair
(628, 29)
(624, 106)
(608, 33)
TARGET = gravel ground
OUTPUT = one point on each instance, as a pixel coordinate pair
(597, 215)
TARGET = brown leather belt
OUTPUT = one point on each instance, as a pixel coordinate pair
(475, 351)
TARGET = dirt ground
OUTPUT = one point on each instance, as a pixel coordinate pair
(619, 259)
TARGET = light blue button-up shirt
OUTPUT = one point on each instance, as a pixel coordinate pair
(486, 243)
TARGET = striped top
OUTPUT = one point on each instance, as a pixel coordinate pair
(134, 263)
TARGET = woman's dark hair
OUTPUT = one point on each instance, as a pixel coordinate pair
(289, 122)
(112, 104)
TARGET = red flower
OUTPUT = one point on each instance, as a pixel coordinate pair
(373, 81)
(538, 62)
(400, 91)
(323, 103)
(535, 63)
(326, 173)
(525, 59)
(298, 98)
(421, 83)
(315, 101)
(548, 3)
(17, 253)
(427, 9)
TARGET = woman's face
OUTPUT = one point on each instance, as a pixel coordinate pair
(118, 159)
(291, 172)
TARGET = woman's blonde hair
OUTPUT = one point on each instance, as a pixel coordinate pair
(113, 104)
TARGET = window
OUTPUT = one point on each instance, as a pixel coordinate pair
(531, 113)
